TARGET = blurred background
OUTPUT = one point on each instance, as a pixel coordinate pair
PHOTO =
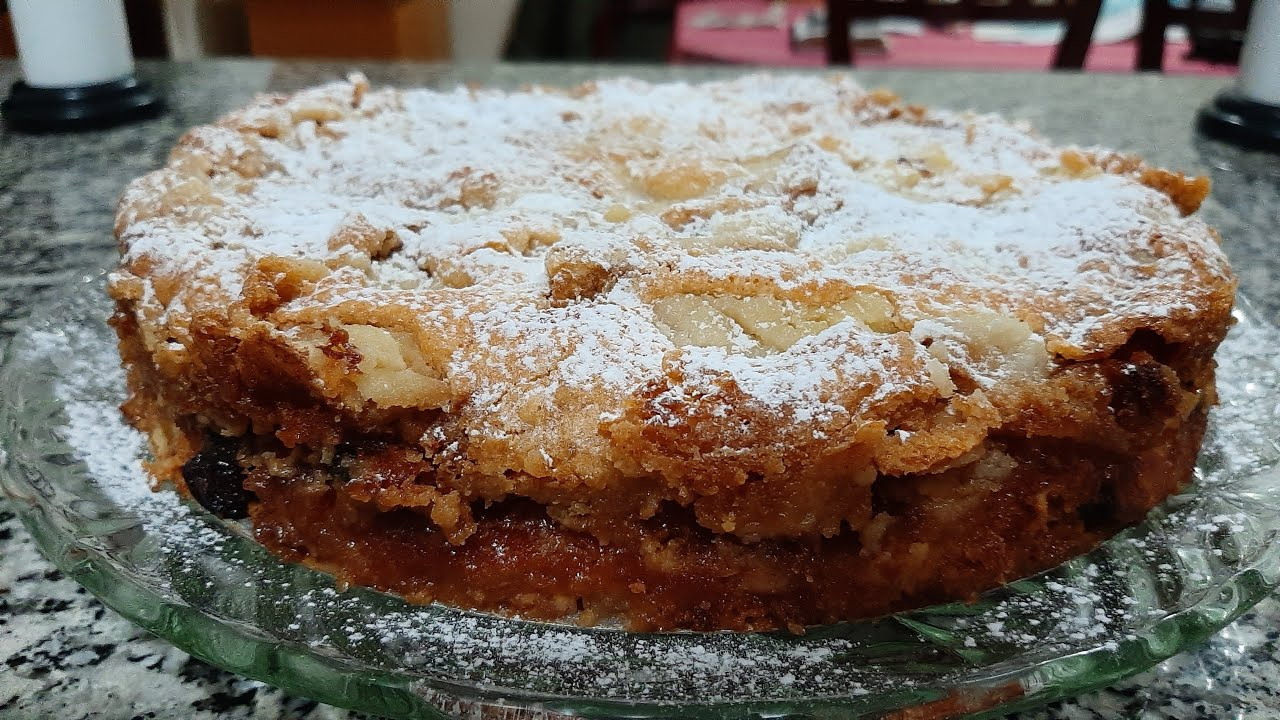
(1172, 36)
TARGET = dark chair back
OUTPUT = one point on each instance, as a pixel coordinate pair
(1157, 15)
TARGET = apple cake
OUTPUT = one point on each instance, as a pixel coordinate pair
(760, 353)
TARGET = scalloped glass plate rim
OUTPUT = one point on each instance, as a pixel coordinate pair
(924, 657)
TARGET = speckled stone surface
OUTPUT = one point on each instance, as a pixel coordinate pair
(64, 655)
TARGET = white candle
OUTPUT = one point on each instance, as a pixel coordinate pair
(69, 43)
(1260, 57)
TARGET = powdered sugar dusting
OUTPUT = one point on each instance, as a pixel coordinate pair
(555, 222)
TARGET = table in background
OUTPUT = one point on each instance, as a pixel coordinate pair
(64, 655)
(931, 49)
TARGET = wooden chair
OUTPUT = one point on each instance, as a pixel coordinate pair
(612, 20)
(1080, 16)
(1159, 14)
(8, 44)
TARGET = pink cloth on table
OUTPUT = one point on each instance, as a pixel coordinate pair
(933, 49)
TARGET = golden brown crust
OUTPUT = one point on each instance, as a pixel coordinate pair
(744, 315)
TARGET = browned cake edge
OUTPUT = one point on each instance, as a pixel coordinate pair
(1048, 485)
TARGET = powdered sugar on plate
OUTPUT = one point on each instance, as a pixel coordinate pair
(1109, 601)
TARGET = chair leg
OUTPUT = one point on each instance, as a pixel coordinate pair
(1155, 18)
(1074, 48)
(606, 27)
(838, 17)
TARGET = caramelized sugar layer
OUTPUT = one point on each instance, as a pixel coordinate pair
(933, 539)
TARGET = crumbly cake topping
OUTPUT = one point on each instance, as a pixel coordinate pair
(796, 246)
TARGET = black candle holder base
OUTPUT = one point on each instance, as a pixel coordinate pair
(89, 107)
(1238, 120)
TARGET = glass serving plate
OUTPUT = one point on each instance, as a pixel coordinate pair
(73, 471)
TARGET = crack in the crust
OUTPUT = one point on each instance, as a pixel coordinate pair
(389, 254)
(743, 328)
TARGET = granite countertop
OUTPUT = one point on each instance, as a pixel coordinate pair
(64, 655)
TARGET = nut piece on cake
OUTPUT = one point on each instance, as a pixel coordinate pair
(761, 353)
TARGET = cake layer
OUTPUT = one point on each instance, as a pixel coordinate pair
(1024, 506)
(785, 335)
(377, 512)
